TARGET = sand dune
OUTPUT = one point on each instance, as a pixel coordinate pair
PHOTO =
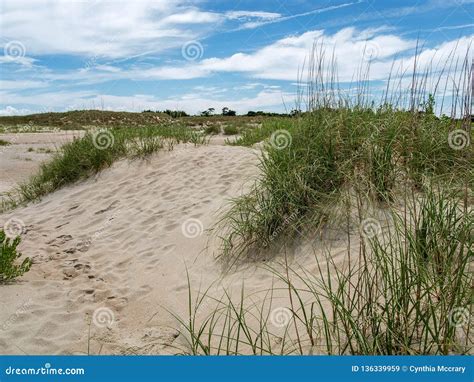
(116, 241)
(111, 253)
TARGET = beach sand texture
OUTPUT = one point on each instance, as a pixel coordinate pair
(111, 254)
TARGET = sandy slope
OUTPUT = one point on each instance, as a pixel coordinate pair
(119, 245)
(116, 241)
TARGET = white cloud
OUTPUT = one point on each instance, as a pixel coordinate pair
(193, 16)
(111, 29)
(239, 15)
(21, 84)
(50, 99)
(120, 29)
(271, 20)
(282, 59)
(26, 62)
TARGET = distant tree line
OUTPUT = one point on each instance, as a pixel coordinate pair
(226, 112)
(292, 113)
(171, 113)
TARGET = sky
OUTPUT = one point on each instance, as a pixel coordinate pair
(192, 55)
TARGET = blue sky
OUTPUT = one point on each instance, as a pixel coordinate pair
(191, 55)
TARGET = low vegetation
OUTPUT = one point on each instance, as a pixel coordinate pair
(213, 129)
(406, 285)
(81, 119)
(9, 267)
(230, 130)
(255, 135)
(310, 162)
(97, 150)
(408, 292)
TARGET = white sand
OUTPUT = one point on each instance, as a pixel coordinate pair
(17, 163)
(115, 241)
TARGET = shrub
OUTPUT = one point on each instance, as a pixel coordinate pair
(212, 129)
(9, 270)
(230, 130)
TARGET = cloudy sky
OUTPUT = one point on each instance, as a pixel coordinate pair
(192, 55)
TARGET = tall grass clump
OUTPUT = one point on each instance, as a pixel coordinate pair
(331, 151)
(408, 293)
(298, 180)
(213, 129)
(402, 296)
(341, 144)
(404, 289)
